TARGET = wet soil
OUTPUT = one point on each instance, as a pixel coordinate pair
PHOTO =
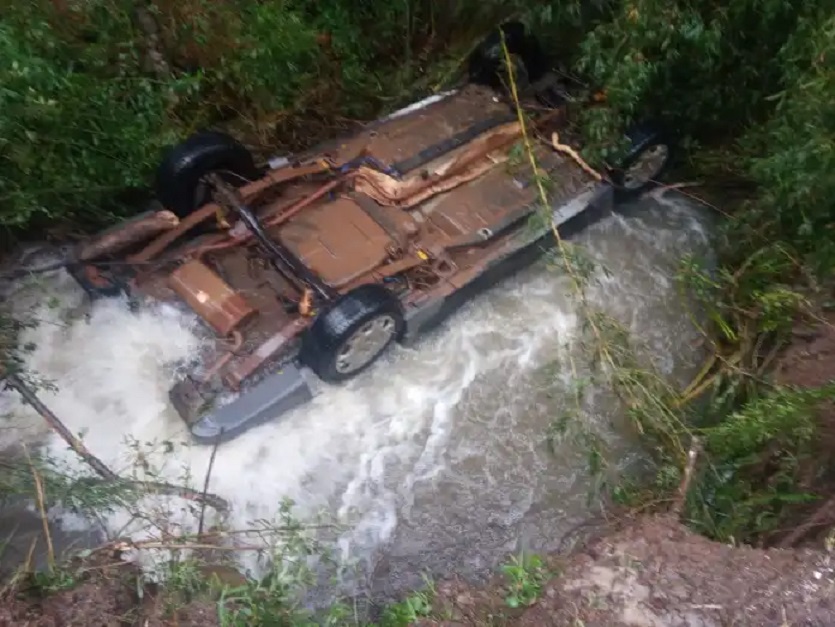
(809, 362)
(649, 572)
(101, 592)
(654, 572)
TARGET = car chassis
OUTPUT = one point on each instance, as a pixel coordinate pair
(311, 267)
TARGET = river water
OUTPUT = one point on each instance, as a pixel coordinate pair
(436, 459)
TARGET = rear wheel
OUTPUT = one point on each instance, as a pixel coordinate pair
(487, 64)
(353, 333)
(179, 182)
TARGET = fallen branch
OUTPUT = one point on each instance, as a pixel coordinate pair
(50, 549)
(689, 467)
(116, 240)
(206, 483)
(676, 186)
(100, 468)
(190, 546)
(820, 517)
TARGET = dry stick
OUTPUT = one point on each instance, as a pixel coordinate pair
(568, 150)
(817, 519)
(684, 486)
(575, 280)
(27, 565)
(50, 549)
(167, 489)
(206, 483)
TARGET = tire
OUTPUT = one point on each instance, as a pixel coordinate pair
(486, 64)
(649, 157)
(178, 177)
(324, 345)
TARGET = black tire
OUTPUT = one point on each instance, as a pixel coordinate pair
(647, 142)
(486, 64)
(178, 177)
(324, 341)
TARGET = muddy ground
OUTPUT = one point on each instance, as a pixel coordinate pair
(102, 592)
(656, 573)
(652, 572)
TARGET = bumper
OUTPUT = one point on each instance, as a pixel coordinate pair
(276, 394)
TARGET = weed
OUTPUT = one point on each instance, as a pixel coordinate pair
(525, 576)
(55, 579)
(416, 606)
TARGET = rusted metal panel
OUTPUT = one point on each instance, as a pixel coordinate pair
(400, 138)
(337, 240)
(210, 297)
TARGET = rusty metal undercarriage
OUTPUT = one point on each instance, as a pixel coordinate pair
(420, 204)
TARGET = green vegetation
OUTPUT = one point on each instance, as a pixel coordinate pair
(761, 132)
(525, 575)
(91, 92)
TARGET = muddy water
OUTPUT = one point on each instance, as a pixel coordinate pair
(435, 459)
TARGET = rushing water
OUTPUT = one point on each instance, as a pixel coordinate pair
(435, 459)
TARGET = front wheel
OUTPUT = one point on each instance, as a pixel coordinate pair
(648, 159)
(353, 333)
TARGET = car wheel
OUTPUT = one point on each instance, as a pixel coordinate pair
(179, 184)
(353, 333)
(486, 64)
(649, 157)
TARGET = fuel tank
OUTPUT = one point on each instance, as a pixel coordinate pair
(210, 297)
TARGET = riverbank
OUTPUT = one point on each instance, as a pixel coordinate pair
(655, 572)
(651, 571)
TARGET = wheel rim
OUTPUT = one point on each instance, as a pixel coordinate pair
(365, 344)
(646, 166)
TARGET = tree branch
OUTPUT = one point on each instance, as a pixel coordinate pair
(100, 468)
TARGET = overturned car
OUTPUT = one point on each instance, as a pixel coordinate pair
(315, 264)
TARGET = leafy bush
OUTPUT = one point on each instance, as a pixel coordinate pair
(74, 130)
(93, 91)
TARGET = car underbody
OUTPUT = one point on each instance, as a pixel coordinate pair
(308, 270)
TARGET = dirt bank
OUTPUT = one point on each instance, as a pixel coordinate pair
(652, 572)
(656, 573)
(809, 362)
(102, 594)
